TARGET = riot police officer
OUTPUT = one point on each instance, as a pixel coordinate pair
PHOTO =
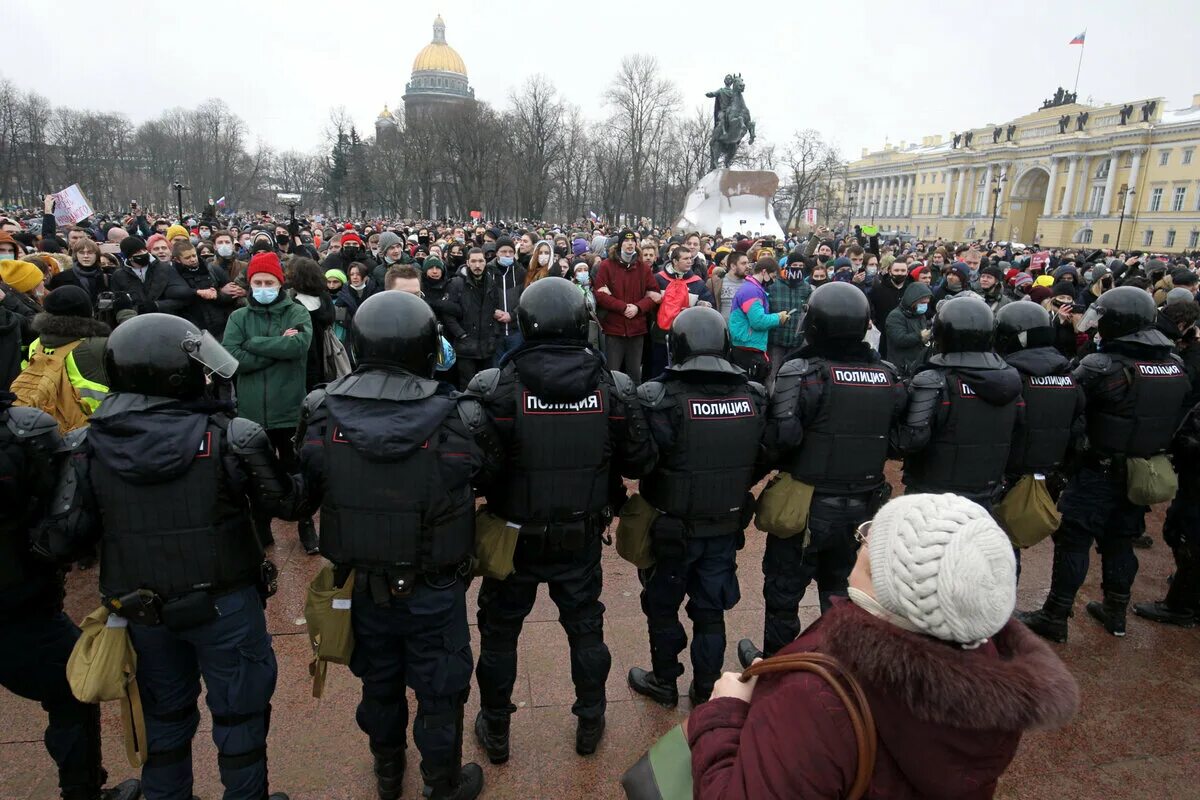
(38, 636)
(959, 427)
(1136, 388)
(566, 428)
(389, 461)
(167, 483)
(706, 419)
(833, 407)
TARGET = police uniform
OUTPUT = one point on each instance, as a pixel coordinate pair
(167, 488)
(564, 430)
(706, 420)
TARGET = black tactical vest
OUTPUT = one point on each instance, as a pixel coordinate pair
(705, 476)
(418, 512)
(969, 450)
(184, 534)
(845, 447)
(14, 543)
(1041, 443)
(558, 462)
(1142, 422)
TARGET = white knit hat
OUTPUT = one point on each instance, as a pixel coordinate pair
(941, 562)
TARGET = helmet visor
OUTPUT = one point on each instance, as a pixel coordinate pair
(1090, 319)
(203, 347)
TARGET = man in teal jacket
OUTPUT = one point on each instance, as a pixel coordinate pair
(749, 321)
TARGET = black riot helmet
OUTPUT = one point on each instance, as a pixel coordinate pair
(700, 340)
(836, 312)
(1022, 325)
(164, 356)
(553, 308)
(1120, 312)
(963, 325)
(397, 329)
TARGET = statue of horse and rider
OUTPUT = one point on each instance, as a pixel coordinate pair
(731, 121)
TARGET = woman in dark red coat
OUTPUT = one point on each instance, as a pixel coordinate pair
(951, 679)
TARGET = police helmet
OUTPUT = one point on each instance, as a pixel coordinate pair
(397, 329)
(553, 308)
(164, 356)
(836, 312)
(963, 325)
(1022, 325)
(1120, 312)
(700, 340)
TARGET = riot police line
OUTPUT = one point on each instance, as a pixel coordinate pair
(165, 482)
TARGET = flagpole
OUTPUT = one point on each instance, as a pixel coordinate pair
(1083, 44)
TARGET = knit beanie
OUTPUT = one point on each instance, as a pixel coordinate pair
(20, 275)
(1021, 279)
(431, 262)
(1044, 280)
(504, 241)
(942, 563)
(68, 301)
(178, 230)
(265, 262)
(336, 275)
(131, 245)
(1039, 293)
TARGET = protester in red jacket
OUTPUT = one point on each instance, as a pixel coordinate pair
(951, 680)
(626, 289)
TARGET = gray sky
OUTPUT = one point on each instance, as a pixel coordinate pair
(856, 71)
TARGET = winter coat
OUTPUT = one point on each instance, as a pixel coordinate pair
(786, 295)
(321, 314)
(473, 335)
(233, 267)
(207, 315)
(697, 291)
(163, 291)
(510, 281)
(628, 284)
(437, 295)
(93, 281)
(902, 329)
(884, 297)
(24, 307)
(272, 368)
(12, 349)
(949, 720)
(55, 330)
(749, 321)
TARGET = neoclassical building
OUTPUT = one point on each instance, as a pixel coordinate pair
(1066, 174)
(439, 75)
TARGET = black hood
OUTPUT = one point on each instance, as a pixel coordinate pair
(558, 373)
(1039, 362)
(1142, 351)
(856, 352)
(145, 439)
(387, 415)
(997, 385)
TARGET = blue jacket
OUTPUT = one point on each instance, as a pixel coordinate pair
(749, 322)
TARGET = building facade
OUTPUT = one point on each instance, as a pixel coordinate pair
(1123, 176)
(439, 75)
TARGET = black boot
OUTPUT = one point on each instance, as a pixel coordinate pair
(389, 771)
(466, 785)
(308, 536)
(127, 790)
(587, 735)
(278, 796)
(645, 682)
(700, 692)
(747, 652)
(1110, 613)
(262, 529)
(1049, 621)
(493, 736)
(1159, 611)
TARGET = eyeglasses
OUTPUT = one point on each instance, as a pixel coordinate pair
(862, 532)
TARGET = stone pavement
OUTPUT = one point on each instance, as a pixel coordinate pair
(1137, 734)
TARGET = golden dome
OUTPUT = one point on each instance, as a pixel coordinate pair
(437, 55)
(385, 114)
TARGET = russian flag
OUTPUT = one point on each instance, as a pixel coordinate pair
(594, 217)
(1078, 39)
(220, 200)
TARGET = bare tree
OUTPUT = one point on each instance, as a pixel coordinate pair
(642, 103)
(537, 128)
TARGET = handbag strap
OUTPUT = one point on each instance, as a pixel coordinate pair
(830, 670)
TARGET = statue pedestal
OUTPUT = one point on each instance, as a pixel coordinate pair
(732, 200)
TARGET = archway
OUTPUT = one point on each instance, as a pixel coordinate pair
(1025, 205)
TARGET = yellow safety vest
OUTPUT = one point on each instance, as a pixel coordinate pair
(90, 392)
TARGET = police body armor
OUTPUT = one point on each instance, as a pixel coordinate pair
(14, 543)
(1142, 423)
(558, 468)
(845, 446)
(1041, 443)
(191, 532)
(969, 449)
(416, 513)
(705, 477)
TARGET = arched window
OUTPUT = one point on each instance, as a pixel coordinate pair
(1083, 236)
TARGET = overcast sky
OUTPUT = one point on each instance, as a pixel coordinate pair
(859, 72)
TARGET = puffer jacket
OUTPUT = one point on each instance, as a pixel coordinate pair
(271, 367)
(905, 347)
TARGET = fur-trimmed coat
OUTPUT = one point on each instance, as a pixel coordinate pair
(949, 719)
(55, 330)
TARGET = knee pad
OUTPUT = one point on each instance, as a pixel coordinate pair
(708, 622)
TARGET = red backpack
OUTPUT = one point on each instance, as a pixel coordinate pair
(675, 298)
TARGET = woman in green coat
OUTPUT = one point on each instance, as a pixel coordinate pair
(270, 338)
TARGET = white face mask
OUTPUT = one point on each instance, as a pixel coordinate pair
(544, 259)
(224, 250)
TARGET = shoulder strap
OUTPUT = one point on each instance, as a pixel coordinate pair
(830, 670)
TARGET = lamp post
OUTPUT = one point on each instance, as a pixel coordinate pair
(874, 205)
(850, 200)
(179, 188)
(997, 188)
(1126, 192)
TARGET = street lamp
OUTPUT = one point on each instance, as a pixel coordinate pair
(874, 206)
(179, 190)
(850, 200)
(1126, 192)
(997, 188)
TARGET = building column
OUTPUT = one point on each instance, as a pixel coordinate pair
(912, 189)
(1133, 178)
(987, 188)
(962, 183)
(1048, 206)
(901, 191)
(1085, 180)
(1072, 173)
(1114, 159)
(947, 177)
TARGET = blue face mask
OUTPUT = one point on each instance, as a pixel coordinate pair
(265, 296)
(505, 261)
(583, 278)
(922, 308)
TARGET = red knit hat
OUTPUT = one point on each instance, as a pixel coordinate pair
(265, 262)
(352, 236)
